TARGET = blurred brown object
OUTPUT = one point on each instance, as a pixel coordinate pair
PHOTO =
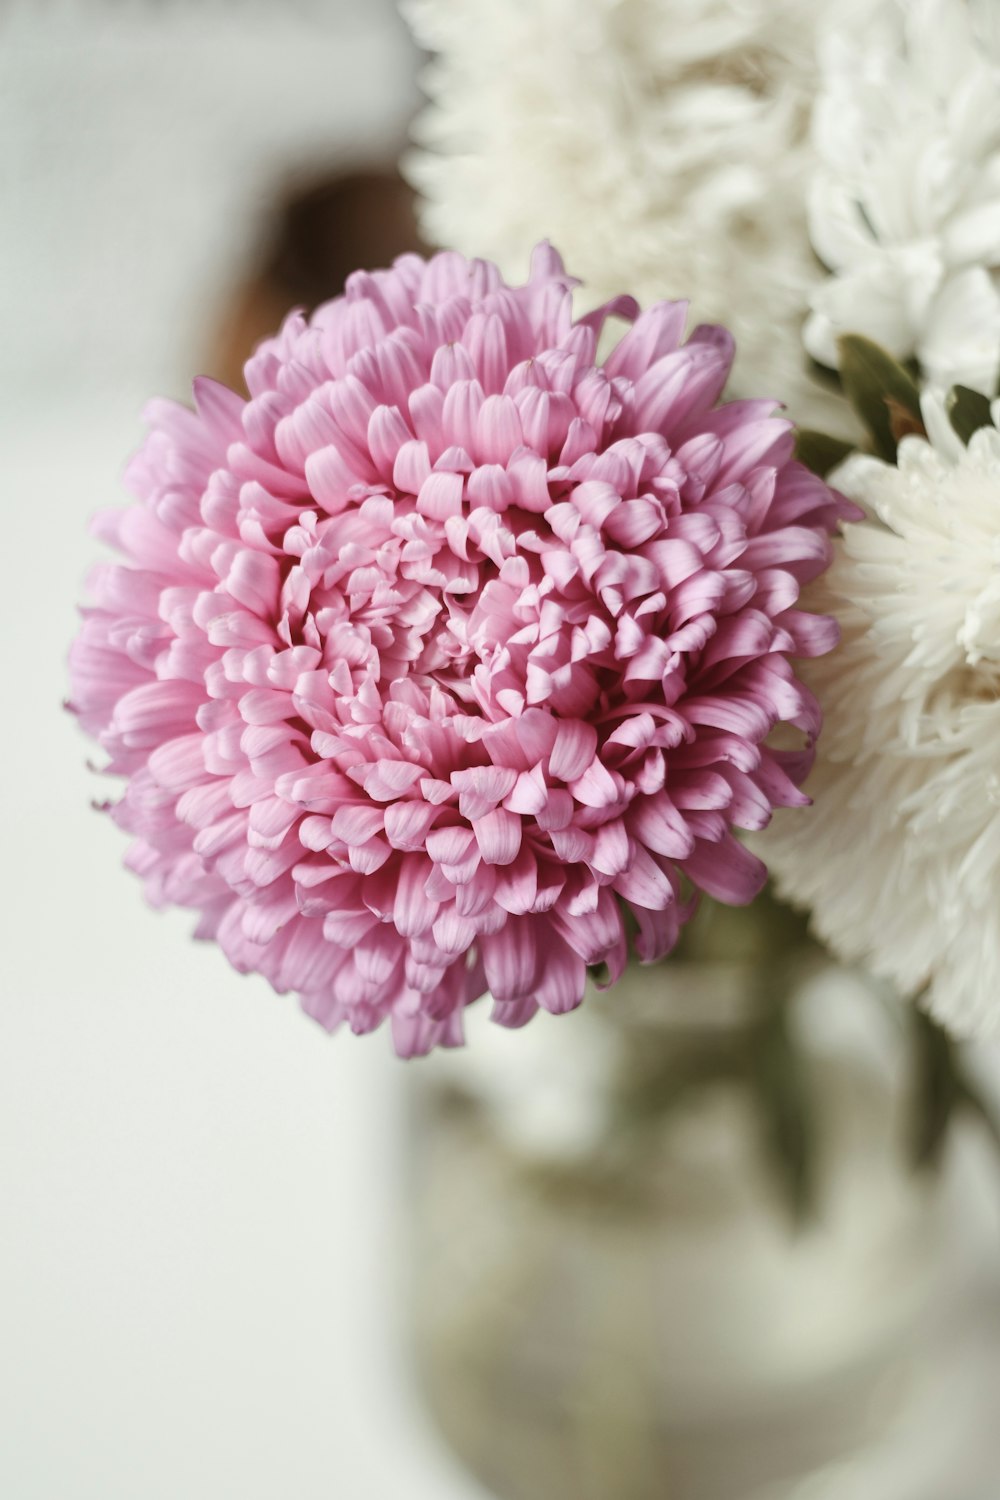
(320, 234)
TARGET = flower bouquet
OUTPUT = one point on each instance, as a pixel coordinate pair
(482, 647)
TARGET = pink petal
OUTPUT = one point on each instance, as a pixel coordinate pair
(573, 751)
(499, 836)
(386, 779)
(511, 960)
(560, 987)
(413, 913)
(726, 870)
(660, 827)
(645, 883)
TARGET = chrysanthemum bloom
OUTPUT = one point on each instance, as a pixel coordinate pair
(901, 861)
(905, 208)
(449, 643)
(662, 144)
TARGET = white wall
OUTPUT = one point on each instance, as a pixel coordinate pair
(199, 1243)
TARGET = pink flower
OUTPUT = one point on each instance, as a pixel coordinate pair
(450, 644)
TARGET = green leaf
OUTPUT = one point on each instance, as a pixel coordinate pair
(944, 1089)
(937, 1093)
(824, 376)
(882, 392)
(819, 451)
(785, 1109)
(967, 411)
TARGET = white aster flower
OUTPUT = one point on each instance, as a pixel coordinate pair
(905, 207)
(900, 856)
(662, 145)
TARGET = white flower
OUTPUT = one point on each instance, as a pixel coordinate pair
(900, 857)
(662, 145)
(905, 207)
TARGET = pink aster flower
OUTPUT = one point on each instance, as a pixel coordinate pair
(450, 645)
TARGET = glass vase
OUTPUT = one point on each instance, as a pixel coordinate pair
(670, 1247)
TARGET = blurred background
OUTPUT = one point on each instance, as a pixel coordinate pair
(198, 1267)
(209, 1232)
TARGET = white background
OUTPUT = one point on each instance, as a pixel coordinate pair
(203, 1248)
